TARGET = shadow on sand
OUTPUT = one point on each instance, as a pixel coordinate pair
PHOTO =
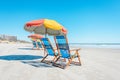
(26, 59)
(37, 64)
(25, 48)
(20, 57)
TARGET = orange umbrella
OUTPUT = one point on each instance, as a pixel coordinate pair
(35, 36)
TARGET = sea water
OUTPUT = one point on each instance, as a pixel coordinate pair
(95, 45)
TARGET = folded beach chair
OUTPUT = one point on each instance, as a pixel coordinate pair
(39, 44)
(49, 50)
(34, 44)
(65, 52)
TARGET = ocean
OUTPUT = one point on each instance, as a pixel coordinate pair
(95, 45)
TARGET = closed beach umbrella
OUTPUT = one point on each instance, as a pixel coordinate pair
(45, 26)
(35, 36)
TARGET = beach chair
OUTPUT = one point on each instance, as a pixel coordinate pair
(34, 45)
(65, 52)
(49, 50)
(39, 44)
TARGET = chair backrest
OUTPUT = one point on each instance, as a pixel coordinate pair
(62, 46)
(48, 47)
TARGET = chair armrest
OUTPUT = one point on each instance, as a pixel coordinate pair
(75, 49)
(55, 48)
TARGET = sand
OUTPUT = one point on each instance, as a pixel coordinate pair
(19, 62)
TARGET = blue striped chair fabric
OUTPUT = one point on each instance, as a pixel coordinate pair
(48, 46)
(63, 46)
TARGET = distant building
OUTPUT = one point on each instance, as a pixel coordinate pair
(7, 37)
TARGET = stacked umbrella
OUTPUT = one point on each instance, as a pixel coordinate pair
(35, 36)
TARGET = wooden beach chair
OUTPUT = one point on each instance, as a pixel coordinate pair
(49, 50)
(65, 52)
(39, 44)
(34, 45)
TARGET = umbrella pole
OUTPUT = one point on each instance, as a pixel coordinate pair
(45, 37)
(45, 32)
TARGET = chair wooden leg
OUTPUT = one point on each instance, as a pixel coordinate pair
(64, 60)
(44, 58)
(69, 61)
(79, 60)
(55, 57)
(78, 57)
(44, 52)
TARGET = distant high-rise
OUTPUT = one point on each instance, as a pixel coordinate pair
(7, 37)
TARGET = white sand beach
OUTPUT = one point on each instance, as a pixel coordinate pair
(19, 62)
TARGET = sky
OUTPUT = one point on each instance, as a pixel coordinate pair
(87, 21)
